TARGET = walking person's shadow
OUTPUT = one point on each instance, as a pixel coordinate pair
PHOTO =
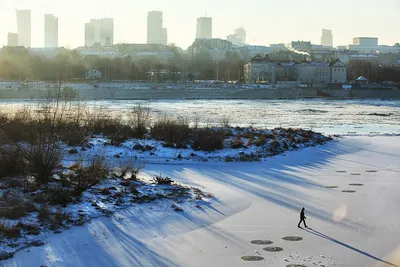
(314, 232)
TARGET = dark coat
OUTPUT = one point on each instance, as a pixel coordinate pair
(302, 216)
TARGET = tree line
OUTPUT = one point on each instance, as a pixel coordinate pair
(19, 64)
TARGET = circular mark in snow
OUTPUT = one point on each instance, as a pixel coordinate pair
(348, 191)
(355, 173)
(292, 238)
(332, 186)
(261, 242)
(356, 184)
(252, 258)
(341, 171)
(273, 249)
(296, 265)
(371, 171)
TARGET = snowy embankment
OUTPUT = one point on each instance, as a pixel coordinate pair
(349, 188)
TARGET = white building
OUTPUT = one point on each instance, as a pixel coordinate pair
(24, 27)
(12, 39)
(319, 74)
(98, 50)
(338, 72)
(204, 28)
(93, 74)
(238, 38)
(47, 52)
(50, 30)
(365, 41)
(156, 34)
(248, 52)
(278, 47)
(260, 69)
(327, 38)
(99, 31)
(384, 49)
(160, 57)
(348, 57)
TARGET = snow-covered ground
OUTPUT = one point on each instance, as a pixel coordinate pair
(254, 201)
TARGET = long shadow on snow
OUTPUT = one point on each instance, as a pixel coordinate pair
(275, 183)
(314, 232)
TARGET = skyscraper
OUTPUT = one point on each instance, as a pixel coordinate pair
(50, 30)
(156, 34)
(204, 28)
(24, 27)
(238, 38)
(107, 31)
(327, 38)
(99, 31)
(12, 39)
(241, 34)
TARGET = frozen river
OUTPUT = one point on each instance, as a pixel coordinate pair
(361, 117)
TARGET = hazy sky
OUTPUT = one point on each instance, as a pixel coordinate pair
(266, 21)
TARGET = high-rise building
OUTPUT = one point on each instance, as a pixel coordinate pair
(204, 28)
(365, 41)
(327, 38)
(50, 30)
(241, 34)
(156, 34)
(99, 31)
(238, 38)
(12, 39)
(24, 27)
(107, 31)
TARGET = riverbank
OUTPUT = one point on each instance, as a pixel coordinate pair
(349, 188)
(143, 91)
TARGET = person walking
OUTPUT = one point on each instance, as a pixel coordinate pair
(302, 218)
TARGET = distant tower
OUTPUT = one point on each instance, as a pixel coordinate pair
(100, 31)
(327, 38)
(12, 39)
(156, 34)
(107, 31)
(24, 27)
(50, 30)
(204, 28)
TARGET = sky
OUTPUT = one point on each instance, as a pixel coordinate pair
(266, 21)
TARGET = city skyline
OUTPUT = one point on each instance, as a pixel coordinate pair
(264, 25)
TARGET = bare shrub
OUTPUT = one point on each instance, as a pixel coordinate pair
(275, 145)
(261, 140)
(17, 127)
(30, 229)
(13, 213)
(11, 160)
(44, 214)
(129, 168)
(56, 116)
(225, 121)
(250, 142)
(59, 218)
(59, 195)
(207, 140)
(9, 231)
(159, 179)
(171, 131)
(236, 143)
(85, 177)
(140, 120)
(43, 159)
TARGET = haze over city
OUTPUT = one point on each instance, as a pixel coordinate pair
(266, 22)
